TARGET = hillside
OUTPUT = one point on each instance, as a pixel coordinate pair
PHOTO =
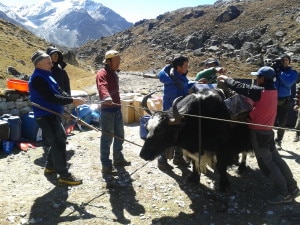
(16, 48)
(240, 33)
(263, 28)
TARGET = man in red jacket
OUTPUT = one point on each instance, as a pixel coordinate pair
(262, 118)
(107, 82)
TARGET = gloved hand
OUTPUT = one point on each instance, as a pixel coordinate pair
(175, 79)
(172, 75)
(222, 77)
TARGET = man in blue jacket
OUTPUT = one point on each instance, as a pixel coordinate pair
(45, 92)
(176, 84)
(286, 78)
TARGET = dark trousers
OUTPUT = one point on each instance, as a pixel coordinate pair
(271, 163)
(282, 116)
(297, 125)
(53, 129)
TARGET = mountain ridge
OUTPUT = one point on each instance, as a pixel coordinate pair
(241, 34)
(54, 20)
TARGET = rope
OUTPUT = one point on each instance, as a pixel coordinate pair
(240, 122)
(78, 120)
(214, 118)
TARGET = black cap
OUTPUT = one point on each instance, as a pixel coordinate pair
(52, 49)
(285, 56)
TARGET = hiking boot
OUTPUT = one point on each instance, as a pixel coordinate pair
(49, 171)
(164, 166)
(279, 199)
(295, 193)
(121, 163)
(180, 162)
(46, 149)
(108, 170)
(69, 180)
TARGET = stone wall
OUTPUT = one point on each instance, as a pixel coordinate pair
(14, 102)
(17, 103)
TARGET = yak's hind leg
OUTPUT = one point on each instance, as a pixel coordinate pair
(223, 161)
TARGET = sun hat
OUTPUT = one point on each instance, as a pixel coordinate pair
(265, 71)
(110, 54)
(38, 55)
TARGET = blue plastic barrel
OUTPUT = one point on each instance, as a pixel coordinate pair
(96, 115)
(29, 126)
(4, 129)
(8, 146)
(14, 125)
(143, 122)
(84, 113)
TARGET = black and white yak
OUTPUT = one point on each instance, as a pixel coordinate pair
(181, 126)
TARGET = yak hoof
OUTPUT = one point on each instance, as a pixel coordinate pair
(242, 167)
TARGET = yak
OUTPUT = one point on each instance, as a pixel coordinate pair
(199, 122)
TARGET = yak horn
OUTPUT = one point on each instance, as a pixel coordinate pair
(144, 103)
(176, 114)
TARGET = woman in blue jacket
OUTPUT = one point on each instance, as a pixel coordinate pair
(176, 84)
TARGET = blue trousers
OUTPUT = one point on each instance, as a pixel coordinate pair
(111, 124)
(56, 137)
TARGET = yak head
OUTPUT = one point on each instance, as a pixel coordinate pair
(163, 130)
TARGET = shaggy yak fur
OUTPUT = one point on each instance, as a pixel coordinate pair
(178, 127)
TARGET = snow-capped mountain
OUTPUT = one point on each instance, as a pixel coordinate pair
(69, 23)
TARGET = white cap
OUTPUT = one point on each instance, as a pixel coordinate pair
(110, 54)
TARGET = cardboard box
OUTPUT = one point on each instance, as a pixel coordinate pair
(138, 110)
(127, 110)
(154, 104)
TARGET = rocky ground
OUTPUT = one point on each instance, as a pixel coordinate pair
(141, 193)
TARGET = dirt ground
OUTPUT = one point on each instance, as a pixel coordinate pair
(140, 194)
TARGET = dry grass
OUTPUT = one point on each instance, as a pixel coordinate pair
(16, 48)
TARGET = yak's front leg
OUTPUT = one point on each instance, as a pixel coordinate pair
(195, 176)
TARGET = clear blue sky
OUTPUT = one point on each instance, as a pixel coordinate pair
(134, 10)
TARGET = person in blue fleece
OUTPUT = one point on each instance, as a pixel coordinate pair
(176, 84)
(286, 79)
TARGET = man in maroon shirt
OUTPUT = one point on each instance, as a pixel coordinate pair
(107, 82)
